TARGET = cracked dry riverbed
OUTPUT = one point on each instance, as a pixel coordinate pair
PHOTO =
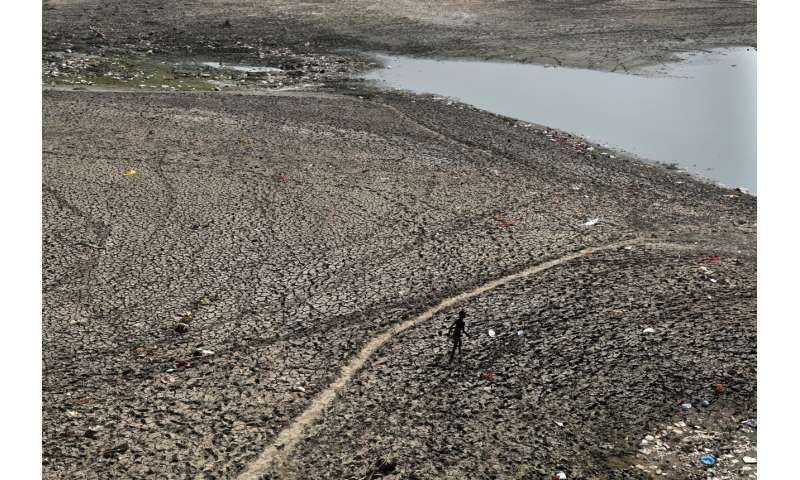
(195, 309)
(246, 281)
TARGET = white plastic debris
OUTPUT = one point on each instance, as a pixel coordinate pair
(591, 221)
(560, 475)
(749, 460)
(298, 388)
(520, 332)
(649, 330)
(73, 414)
(492, 333)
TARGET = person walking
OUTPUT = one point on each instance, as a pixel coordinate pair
(456, 329)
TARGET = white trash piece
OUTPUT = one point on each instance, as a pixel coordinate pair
(491, 333)
(591, 221)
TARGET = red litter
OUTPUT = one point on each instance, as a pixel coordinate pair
(487, 375)
(712, 259)
(504, 221)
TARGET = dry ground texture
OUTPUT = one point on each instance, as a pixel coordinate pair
(606, 35)
(194, 309)
(294, 228)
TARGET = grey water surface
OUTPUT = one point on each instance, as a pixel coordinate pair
(699, 113)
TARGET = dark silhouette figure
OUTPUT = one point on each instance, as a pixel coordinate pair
(456, 329)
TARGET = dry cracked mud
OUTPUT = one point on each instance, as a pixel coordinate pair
(282, 232)
(212, 260)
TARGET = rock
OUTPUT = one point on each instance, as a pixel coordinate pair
(181, 327)
(92, 432)
(116, 450)
(382, 467)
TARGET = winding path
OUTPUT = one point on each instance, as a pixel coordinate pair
(289, 437)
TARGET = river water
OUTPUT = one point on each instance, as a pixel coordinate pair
(699, 113)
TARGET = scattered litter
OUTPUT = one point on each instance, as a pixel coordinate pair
(520, 332)
(487, 376)
(629, 247)
(649, 330)
(111, 452)
(750, 423)
(73, 414)
(705, 403)
(708, 460)
(205, 301)
(560, 476)
(504, 221)
(201, 352)
(749, 460)
(591, 221)
(686, 407)
(560, 424)
(85, 243)
(182, 364)
(713, 280)
(718, 387)
(298, 388)
(492, 333)
(131, 172)
(711, 259)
